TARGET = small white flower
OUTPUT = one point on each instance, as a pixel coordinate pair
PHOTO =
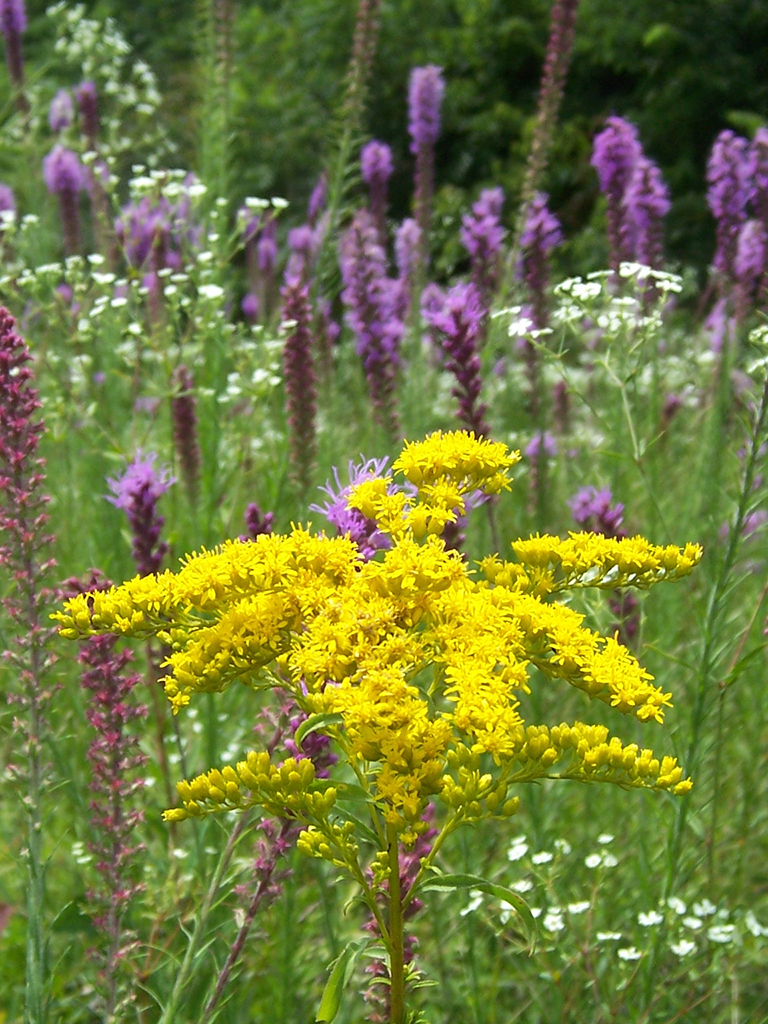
(524, 885)
(543, 857)
(118, 302)
(563, 846)
(629, 953)
(683, 947)
(608, 936)
(704, 908)
(535, 911)
(676, 904)
(694, 923)
(753, 925)
(650, 919)
(553, 921)
(518, 849)
(594, 860)
(609, 861)
(279, 203)
(605, 838)
(210, 291)
(180, 853)
(722, 933)
(578, 908)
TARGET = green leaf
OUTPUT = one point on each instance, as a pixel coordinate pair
(72, 918)
(338, 981)
(315, 722)
(444, 883)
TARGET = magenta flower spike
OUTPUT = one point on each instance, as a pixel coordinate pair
(300, 378)
(425, 97)
(460, 326)
(372, 303)
(541, 234)
(730, 175)
(137, 493)
(646, 202)
(13, 24)
(88, 103)
(24, 549)
(615, 152)
(376, 168)
(482, 235)
(61, 111)
(185, 433)
(65, 177)
(595, 512)
(750, 265)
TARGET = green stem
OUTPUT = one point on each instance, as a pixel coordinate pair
(396, 952)
(182, 978)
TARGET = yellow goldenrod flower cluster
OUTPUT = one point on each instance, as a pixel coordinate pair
(416, 662)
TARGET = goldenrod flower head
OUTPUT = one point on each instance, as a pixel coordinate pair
(419, 667)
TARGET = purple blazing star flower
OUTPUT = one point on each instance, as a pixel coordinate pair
(7, 199)
(372, 302)
(482, 235)
(593, 511)
(749, 264)
(63, 171)
(730, 172)
(250, 307)
(88, 101)
(376, 168)
(362, 531)
(61, 111)
(317, 200)
(759, 155)
(460, 322)
(541, 446)
(646, 202)
(425, 97)
(13, 24)
(137, 492)
(66, 177)
(615, 152)
(540, 235)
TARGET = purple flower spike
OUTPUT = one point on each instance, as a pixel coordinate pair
(63, 171)
(137, 492)
(318, 200)
(593, 511)
(372, 301)
(7, 199)
(482, 235)
(61, 111)
(66, 177)
(88, 102)
(750, 264)
(13, 23)
(615, 152)
(646, 202)
(300, 378)
(362, 531)
(257, 522)
(730, 172)
(460, 322)
(185, 430)
(425, 97)
(540, 235)
(376, 168)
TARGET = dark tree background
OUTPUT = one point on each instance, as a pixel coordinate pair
(682, 70)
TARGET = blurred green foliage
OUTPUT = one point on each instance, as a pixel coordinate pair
(682, 71)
